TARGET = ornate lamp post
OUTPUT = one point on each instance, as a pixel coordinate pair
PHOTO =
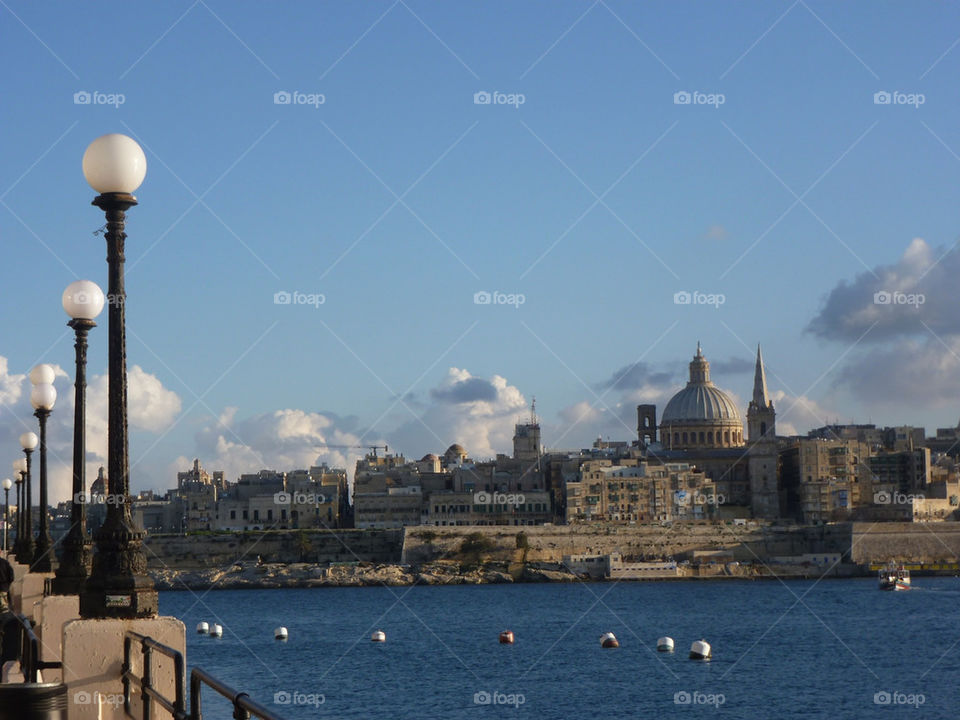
(118, 585)
(20, 469)
(29, 442)
(83, 301)
(43, 397)
(7, 484)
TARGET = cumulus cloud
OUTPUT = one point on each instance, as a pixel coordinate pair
(476, 412)
(911, 354)
(280, 440)
(636, 376)
(796, 415)
(152, 408)
(894, 300)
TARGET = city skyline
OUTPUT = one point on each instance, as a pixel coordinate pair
(314, 272)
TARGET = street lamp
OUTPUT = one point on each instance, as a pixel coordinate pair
(29, 442)
(118, 585)
(43, 397)
(20, 470)
(83, 302)
(7, 484)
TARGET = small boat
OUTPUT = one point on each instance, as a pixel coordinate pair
(506, 637)
(379, 636)
(894, 577)
(665, 644)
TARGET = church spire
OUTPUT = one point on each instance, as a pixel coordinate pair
(760, 397)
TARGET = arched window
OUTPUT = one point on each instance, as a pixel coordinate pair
(685, 441)
(701, 437)
(726, 437)
(676, 438)
(763, 428)
(710, 437)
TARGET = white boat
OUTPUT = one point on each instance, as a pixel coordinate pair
(894, 577)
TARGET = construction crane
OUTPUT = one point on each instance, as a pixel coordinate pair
(358, 447)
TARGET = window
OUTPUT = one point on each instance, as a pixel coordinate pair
(269, 514)
(701, 437)
(256, 515)
(233, 514)
(245, 513)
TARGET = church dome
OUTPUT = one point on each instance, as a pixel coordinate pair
(455, 450)
(701, 415)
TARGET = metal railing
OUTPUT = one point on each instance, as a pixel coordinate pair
(243, 706)
(30, 662)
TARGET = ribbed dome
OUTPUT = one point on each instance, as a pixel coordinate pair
(700, 399)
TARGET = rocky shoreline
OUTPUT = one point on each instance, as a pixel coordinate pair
(310, 575)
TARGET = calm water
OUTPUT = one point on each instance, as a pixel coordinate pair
(799, 649)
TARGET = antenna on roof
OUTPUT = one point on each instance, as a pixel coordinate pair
(533, 411)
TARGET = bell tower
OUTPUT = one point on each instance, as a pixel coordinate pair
(763, 460)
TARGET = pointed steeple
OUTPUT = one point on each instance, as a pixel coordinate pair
(760, 397)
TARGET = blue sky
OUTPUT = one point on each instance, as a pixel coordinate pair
(398, 198)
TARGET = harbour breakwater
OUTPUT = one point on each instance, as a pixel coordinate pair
(500, 554)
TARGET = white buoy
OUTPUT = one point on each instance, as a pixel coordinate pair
(280, 633)
(665, 644)
(203, 628)
(609, 640)
(216, 630)
(700, 650)
(379, 636)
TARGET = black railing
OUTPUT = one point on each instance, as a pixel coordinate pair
(243, 706)
(30, 662)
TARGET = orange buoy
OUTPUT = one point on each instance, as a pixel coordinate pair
(506, 637)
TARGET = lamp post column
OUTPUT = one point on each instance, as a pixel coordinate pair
(82, 298)
(118, 585)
